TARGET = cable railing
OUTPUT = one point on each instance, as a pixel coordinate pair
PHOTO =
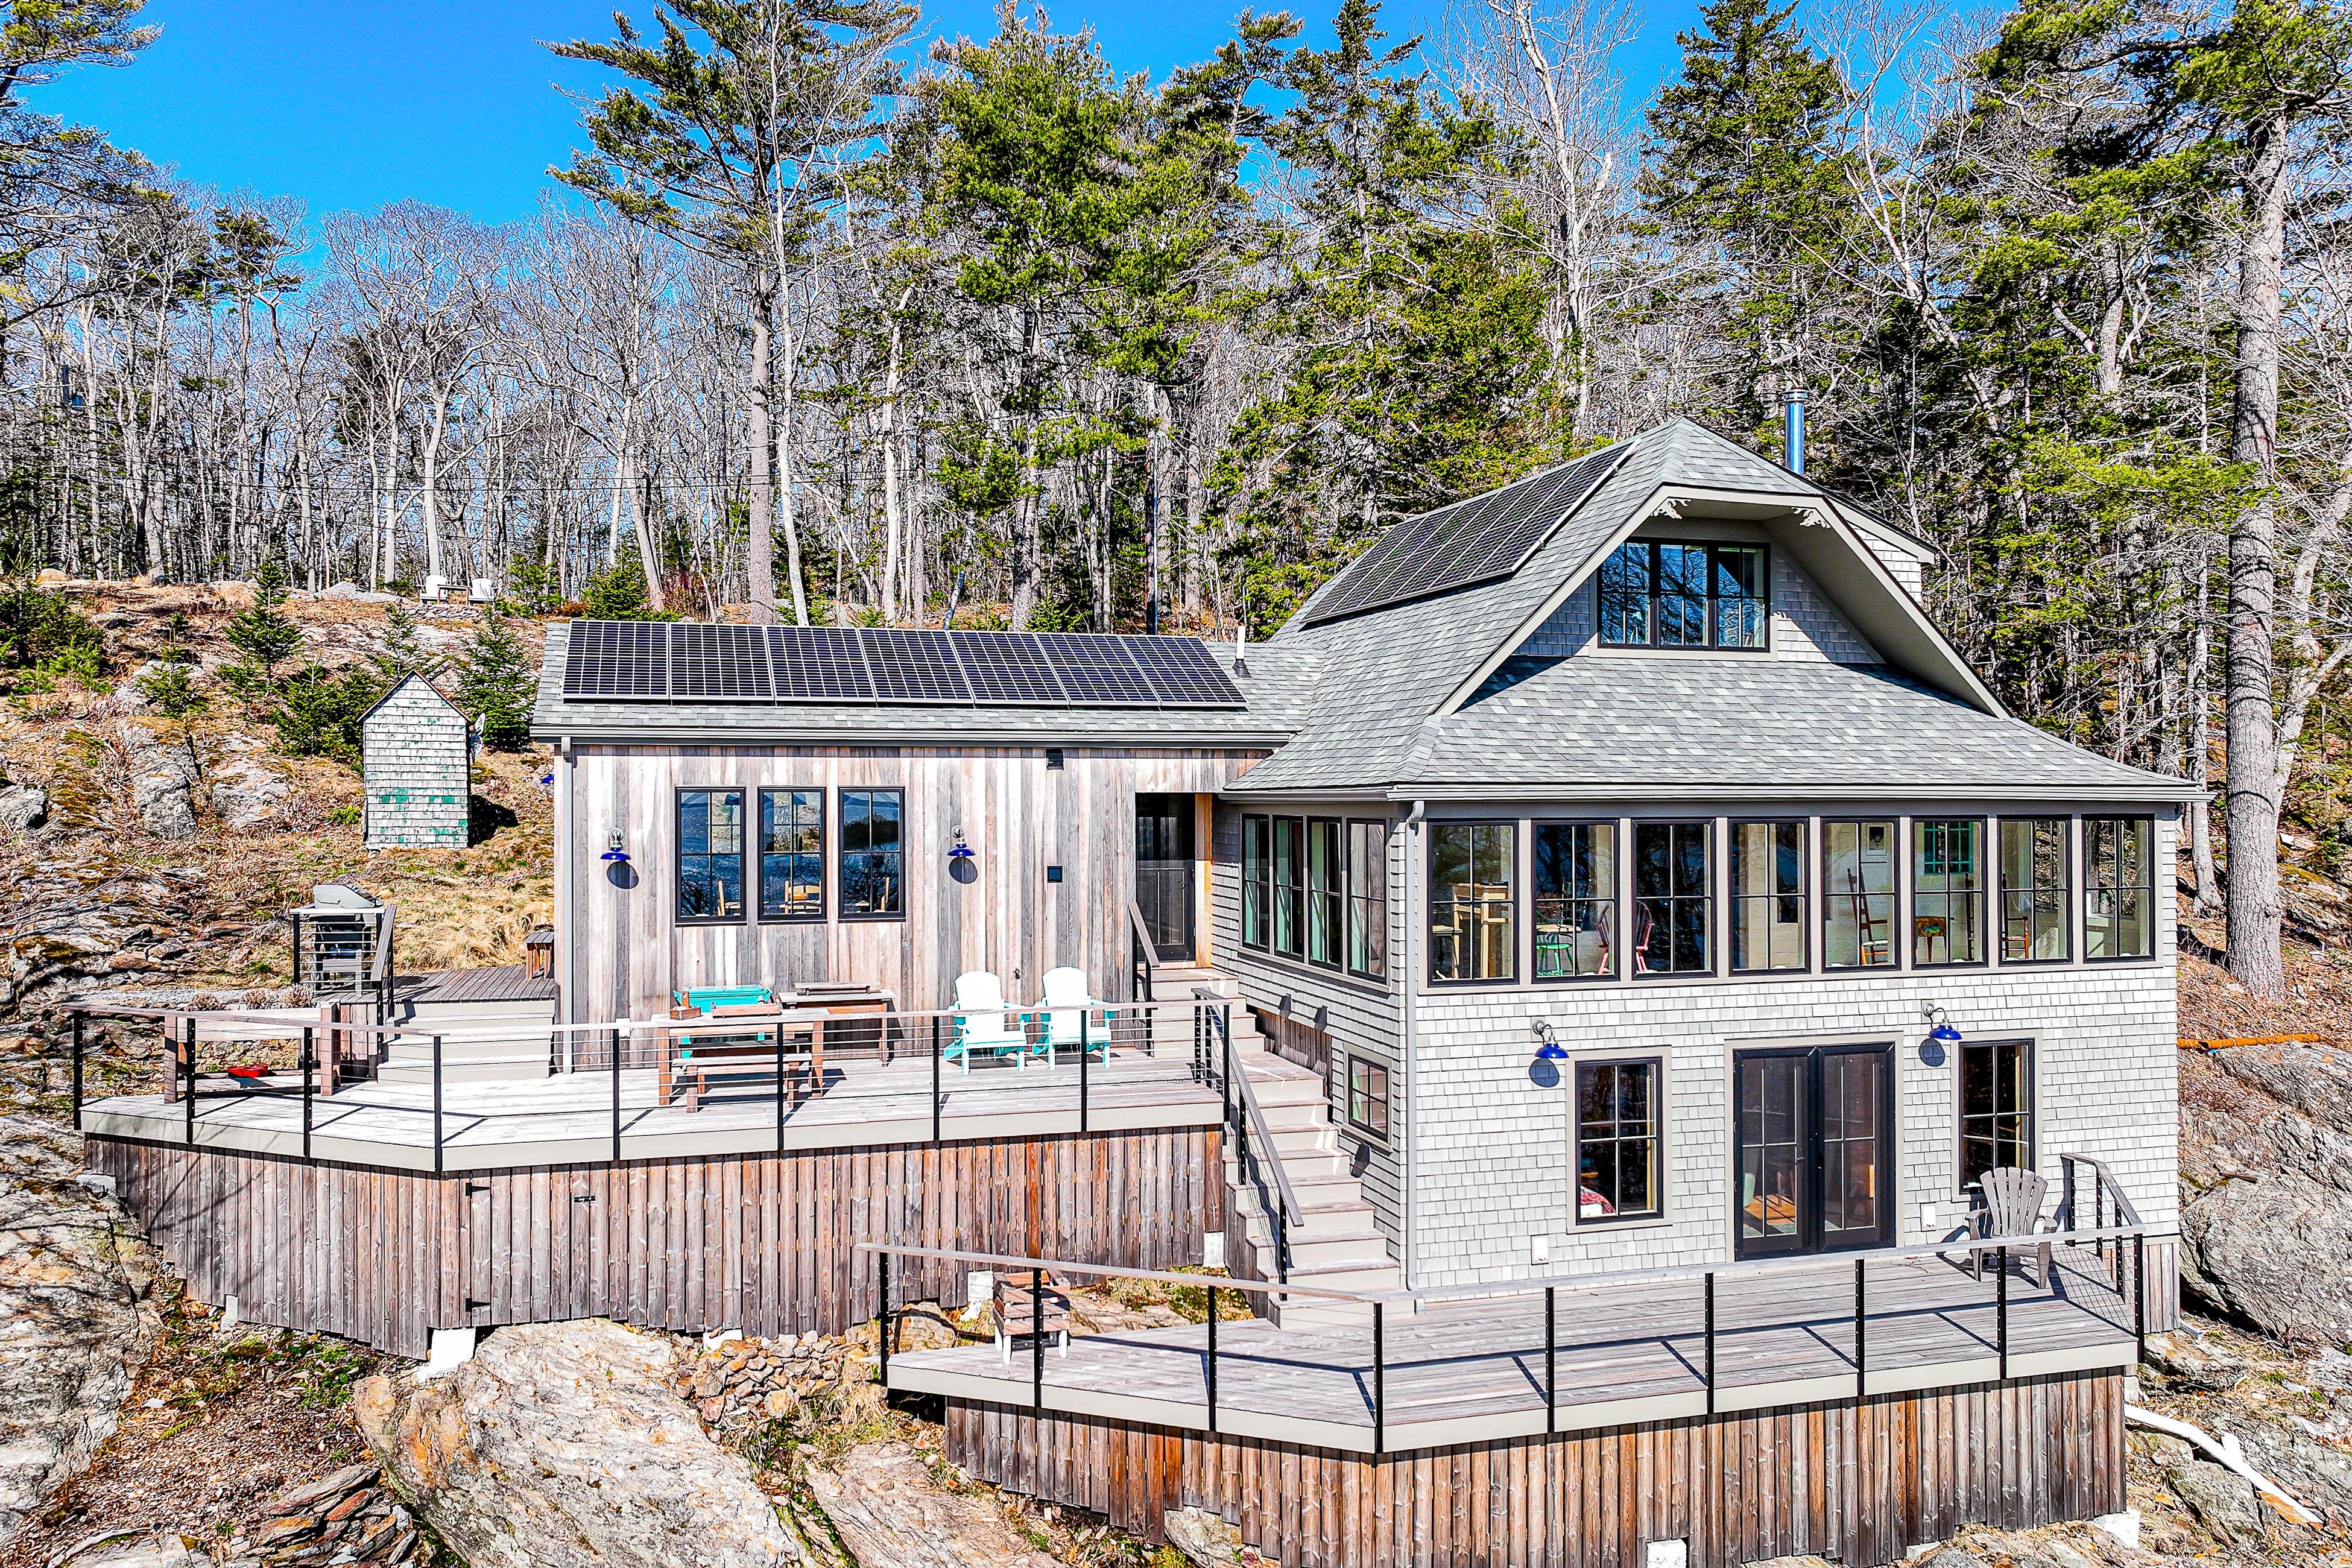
(1254, 1144)
(748, 1072)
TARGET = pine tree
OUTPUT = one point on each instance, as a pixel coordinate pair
(401, 653)
(262, 631)
(495, 685)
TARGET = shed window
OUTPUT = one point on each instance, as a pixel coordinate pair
(1368, 1097)
(1368, 900)
(1673, 901)
(1576, 899)
(1995, 1107)
(2119, 855)
(1665, 594)
(873, 853)
(1948, 891)
(1768, 896)
(1858, 894)
(709, 855)
(1617, 1141)
(1256, 880)
(2034, 879)
(1323, 891)
(791, 854)
(1472, 934)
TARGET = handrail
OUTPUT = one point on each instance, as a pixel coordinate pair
(1024, 1265)
(1143, 934)
(2124, 1211)
(1249, 1121)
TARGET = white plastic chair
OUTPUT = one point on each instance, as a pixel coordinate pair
(980, 1023)
(1068, 1002)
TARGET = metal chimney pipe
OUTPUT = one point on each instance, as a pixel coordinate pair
(1793, 409)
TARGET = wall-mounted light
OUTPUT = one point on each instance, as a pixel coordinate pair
(613, 851)
(960, 851)
(1941, 1030)
(1548, 1047)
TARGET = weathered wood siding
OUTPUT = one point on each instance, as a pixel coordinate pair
(764, 1243)
(624, 951)
(417, 762)
(1855, 1482)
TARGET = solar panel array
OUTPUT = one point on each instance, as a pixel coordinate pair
(1473, 541)
(686, 661)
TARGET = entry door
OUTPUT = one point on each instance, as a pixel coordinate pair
(1813, 1144)
(1164, 870)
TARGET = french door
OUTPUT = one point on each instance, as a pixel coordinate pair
(1163, 872)
(1813, 1149)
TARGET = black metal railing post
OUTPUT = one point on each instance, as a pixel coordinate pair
(780, 1089)
(1038, 1339)
(1085, 1050)
(186, 1067)
(935, 1078)
(310, 1075)
(882, 1304)
(77, 1071)
(1710, 1344)
(2139, 1295)
(1861, 1331)
(1551, 1361)
(1380, 1379)
(1210, 1373)
(2000, 1312)
(437, 1105)
(617, 1095)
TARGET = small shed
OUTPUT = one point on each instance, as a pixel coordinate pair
(416, 752)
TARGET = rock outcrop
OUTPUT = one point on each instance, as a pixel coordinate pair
(2266, 1188)
(563, 1443)
(888, 1508)
(23, 808)
(76, 1321)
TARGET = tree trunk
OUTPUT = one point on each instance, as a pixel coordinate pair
(759, 549)
(435, 565)
(2256, 909)
(2207, 894)
(787, 507)
(894, 521)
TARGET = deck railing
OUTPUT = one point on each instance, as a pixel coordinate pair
(785, 1056)
(1254, 1146)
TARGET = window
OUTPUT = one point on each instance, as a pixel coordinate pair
(791, 854)
(1368, 1097)
(709, 855)
(2120, 860)
(873, 853)
(2034, 879)
(1289, 894)
(1662, 594)
(1576, 899)
(1947, 892)
(1323, 868)
(1256, 885)
(1768, 896)
(1368, 900)
(1471, 866)
(1617, 1141)
(1858, 894)
(1674, 898)
(1995, 1107)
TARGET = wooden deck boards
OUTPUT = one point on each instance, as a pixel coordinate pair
(1473, 1371)
(569, 1116)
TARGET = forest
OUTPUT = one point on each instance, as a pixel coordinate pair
(827, 322)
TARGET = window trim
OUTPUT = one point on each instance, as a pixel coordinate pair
(756, 871)
(1650, 625)
(1986, 853)
(1429, 901)
(677, 856)
(1377, 900)
(841, 849)
(2032, 1103)
(1263, 883)
(1803, 895)
(1619, 955)
(1385, 1102)
(1897, 858)
(1277, 887)
(1661, 1212)
(1335, 930)
(2148, 820)
(1713, 968)
(2067, 893)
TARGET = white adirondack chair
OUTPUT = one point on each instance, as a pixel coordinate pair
(980, 1023)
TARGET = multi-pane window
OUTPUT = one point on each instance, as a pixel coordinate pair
(1995, 1107)
(1617, 1140)
(1576, 899)
(1257, 885)
(1857, 894)
(1289, 885)
(1948, 890)
(1368, 900)
(1768, 896)
(1664, 593)
(1368, 1097)
(2034, 879)
(2120, 861)
(872, 853)
(1323, 891)
(1673, 897)
(709, 855)
(791, 854)
(1471, 869)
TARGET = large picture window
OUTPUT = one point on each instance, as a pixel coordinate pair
(1367, 898)
(2035, 877)
(709, 855)
(1768, 896)
(873, 853)
(2119, 855)
(1946, 890)
(791, 854)
(1995, 1107)
(1576, 899)
(1674, 898)
(1617, 1141)
(1665, 594)
(1258, 880)
(1472, 935)
(1289, 885)
(1323, 891)
(1857, 895)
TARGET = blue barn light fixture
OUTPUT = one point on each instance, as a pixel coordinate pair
(961, 851)
(1942, 1032)
(1547, 1048)
(615, 852)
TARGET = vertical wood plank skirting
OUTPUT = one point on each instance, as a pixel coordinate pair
(1859, 1483)
(759, 1242)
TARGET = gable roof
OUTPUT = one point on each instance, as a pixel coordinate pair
(417, 678)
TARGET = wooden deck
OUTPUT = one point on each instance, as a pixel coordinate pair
(568, 1118)
(1471, 1371)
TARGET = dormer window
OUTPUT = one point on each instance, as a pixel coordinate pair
(1662, 592)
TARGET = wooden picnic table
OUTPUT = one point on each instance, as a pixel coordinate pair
(692, 1046)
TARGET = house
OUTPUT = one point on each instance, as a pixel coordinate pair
(417, 754)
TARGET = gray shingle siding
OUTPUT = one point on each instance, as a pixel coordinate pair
(417, 762)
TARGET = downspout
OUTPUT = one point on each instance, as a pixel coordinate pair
(1409, 1046)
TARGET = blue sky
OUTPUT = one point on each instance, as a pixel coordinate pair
(353, 103)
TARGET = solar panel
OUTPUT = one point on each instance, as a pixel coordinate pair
(914, 667)
(1181, 672)
(718, 663)
(1006, 667)
(819, 664)
(617, 659)
(1094, 668)
(1472, 541)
